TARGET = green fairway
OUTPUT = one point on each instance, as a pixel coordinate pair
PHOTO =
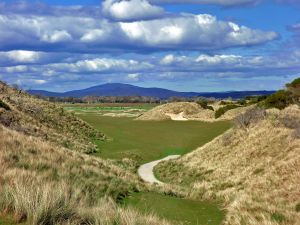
(7, 221)
(151, 140)
(175, 209)
(107, 107)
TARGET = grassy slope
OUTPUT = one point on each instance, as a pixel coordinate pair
(254, 171)
(42, 182)
(6, 221)
(150, 140)
(175, 209)
(42, 119)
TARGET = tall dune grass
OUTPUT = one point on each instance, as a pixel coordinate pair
(253, 169)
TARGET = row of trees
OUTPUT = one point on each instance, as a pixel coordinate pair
(123, 99)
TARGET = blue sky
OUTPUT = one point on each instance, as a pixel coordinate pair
(185, 45)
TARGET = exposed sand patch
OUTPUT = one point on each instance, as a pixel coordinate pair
(183, 111)
(177, 117)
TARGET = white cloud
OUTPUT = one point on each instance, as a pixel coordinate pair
(171, 59)
(83, 34)
(56, 36)
(218, 59)
(193, 32)
(131, 9)
(21, 56)
(133, 77)
(40, 81)
(99, 65)
(93, 35)
(15, 69)
(215, 2)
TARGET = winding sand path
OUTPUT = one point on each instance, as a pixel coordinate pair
(146, 171)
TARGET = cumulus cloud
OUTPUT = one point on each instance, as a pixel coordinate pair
(193, 32)
(21, 56)
(131, 9)
(133, 77)
(39, 8)
(56, 36)
(99, 65)
(214, 2)
(85, 34)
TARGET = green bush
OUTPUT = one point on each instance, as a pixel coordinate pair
(255, 99)
(4, 105)
(294, 84)
(277, 217)
(223, 110)
(242, 102)
(297, 207)
(280, 100)
(225, 102)
(294, 88)
(204, 105)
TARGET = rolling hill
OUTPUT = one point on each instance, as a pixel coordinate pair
(118, 89)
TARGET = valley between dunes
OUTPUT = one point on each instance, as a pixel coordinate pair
(59, 169)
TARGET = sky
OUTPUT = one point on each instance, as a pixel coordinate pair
(184, 45)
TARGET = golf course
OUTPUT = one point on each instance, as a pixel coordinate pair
(151, 140)
(146, 141)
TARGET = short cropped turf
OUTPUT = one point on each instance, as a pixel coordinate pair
(151, 140)
(108, 106)
(188, 212)
(7, 221)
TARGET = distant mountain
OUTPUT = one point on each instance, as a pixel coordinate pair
(117, 89)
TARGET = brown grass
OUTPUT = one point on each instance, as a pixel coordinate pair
(255, 172)
(45, 177)
(191, 111)
(46, 120)
(41, 183)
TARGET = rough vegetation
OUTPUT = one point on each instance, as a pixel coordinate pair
(253, 170)
(44, 183)
(221, 111)
(160, 112)
(31, 116)
(283, 98)
(195, 111)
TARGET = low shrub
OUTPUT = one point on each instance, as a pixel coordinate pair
(242, 102)
(7, 119)
(289, 122)
(204, 105)
(4, 105)
(297, 208)
(250, 116)
(255, 99)
(221, 111)
(225, 102)
(227, 139)
(279, 100)
(296, 133)
(277, 217)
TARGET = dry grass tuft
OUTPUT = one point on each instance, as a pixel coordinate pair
(256, 173)
(47, 179)
(44, 184)
(31, 116)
